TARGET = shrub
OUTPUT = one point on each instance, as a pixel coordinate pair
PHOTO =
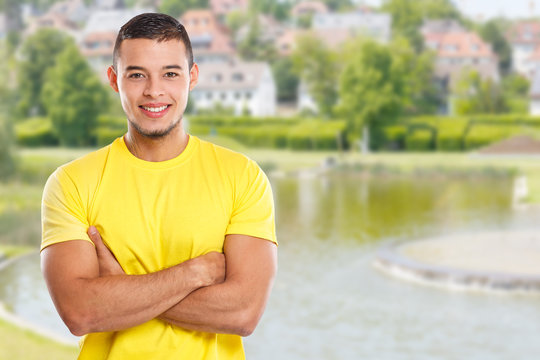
(420, 139)
(34, 132)
(450, 134)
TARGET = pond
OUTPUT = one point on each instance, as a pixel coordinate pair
(329, 302)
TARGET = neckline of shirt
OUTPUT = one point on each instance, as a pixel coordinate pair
(193, 143)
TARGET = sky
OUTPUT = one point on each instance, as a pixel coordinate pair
(485, 9)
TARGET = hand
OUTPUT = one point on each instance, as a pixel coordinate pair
(108, 265)
(210, 268)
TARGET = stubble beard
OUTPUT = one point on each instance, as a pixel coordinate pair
(155, 134)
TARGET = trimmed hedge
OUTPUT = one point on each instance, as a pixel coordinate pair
(35, 132)
(420, 139)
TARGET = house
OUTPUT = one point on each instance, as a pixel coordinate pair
(308, 8)
(97, 40)
(524, 38)
(460, 50)
(246, 87)
(53, 20)
(271, 29)
(222, 7)
(73, 10)
(534, 95)
(3, 26)
(210, 40)
(441, 26)
(109, 4)
(363, 22)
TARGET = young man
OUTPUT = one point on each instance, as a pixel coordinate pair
(160, 245)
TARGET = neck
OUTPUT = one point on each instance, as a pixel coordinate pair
(156, 149)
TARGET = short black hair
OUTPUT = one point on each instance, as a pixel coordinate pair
(154, 26)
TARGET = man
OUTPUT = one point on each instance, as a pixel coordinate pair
(160, 245)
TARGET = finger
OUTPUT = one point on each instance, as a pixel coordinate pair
(94, 235)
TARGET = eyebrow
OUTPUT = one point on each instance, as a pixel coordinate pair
(167, 67)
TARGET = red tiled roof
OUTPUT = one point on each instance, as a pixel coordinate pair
(524, 33)
(459, 44)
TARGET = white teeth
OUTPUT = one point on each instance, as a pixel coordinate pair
(155, 109)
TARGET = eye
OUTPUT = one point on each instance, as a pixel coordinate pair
(136, 76)
(171, 74)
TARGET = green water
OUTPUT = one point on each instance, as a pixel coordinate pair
(328, 301)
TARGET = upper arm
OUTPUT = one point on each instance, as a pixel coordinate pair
(65, 266)
(251, 264)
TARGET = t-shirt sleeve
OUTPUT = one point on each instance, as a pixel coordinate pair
(63, 214)
(253, 209)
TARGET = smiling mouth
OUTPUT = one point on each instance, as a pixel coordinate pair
(154, 109)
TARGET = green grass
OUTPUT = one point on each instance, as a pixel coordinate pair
(21, 344)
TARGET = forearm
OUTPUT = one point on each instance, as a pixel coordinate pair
(121, 301)
(218, 309)
(236, 305)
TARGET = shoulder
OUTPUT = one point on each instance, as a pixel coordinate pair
(231, 159)
(87, 169)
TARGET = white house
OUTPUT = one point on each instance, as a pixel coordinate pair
(534, 95)
(377, 26)
(243, 86)
(524, 38)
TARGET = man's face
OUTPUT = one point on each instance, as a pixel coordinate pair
(153, 80)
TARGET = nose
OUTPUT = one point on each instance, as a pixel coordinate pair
(153, 88)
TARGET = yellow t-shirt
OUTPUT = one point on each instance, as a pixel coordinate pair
(153, 215)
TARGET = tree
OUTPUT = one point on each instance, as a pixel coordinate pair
(176, 8)
(74, 97)
(253, 47)
(409, 15)
(318, 67)
(38, 54)
(474, 95)
(278, 9)
(369, 92)
(492, 32)
(286, 79)
(379, 83)
(7, 165)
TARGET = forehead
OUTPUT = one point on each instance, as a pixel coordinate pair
(145, 52)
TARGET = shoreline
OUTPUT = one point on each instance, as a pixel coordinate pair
(24, 324)
(503, 262)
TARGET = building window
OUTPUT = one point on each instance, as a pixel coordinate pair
(217, 77)
(248, 95)
(238, 77)
(237, 95)
(209, 96)
(223, 96)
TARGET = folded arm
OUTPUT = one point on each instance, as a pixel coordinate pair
(89, 301)
(236, 305)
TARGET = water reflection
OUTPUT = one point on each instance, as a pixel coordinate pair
(329, 303)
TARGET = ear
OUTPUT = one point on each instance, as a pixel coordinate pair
(193, 76)
(111, 74)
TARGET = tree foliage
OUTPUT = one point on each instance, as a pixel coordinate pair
(409, 15)
(379, 83)
(318, 67)
(493, 33)
(176, 8)
(286, 79)
(475, 95)
(38, 54)
(278, 9)
(253, 46)
(74, 98)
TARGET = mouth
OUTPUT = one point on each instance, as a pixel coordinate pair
(157, 110)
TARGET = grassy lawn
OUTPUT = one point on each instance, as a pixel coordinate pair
(19, 344)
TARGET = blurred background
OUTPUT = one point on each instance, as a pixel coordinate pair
(377, 122)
